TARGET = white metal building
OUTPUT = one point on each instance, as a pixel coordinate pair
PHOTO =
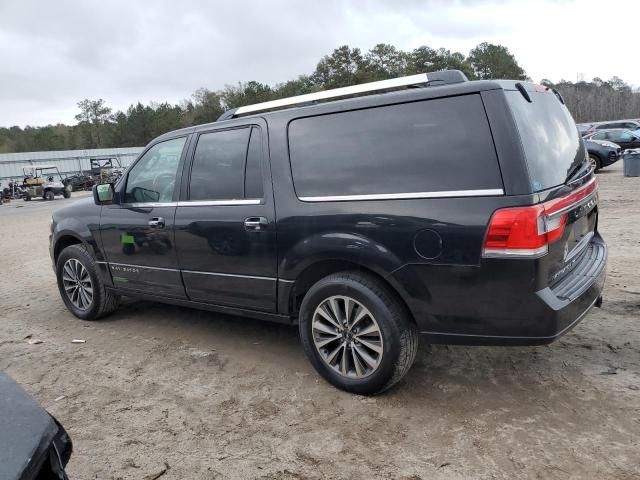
(67, 161)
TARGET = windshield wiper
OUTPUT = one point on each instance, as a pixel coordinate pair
(575, 170)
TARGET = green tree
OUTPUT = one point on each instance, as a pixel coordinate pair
(246, 94)
(384, 61)
(491, 61)
(207, 107)
(344, 67)
(426, 59)
(93, 116)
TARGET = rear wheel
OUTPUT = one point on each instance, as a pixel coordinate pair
(81, 286)
(49, 195)
(595, 163)
(356, 333)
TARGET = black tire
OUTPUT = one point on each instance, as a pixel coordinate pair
(104, 301)
(66, 193)
(595, 161)
(27, 198)
(400, 336)
(49, 195)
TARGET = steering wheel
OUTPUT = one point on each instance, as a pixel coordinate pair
(166, 190)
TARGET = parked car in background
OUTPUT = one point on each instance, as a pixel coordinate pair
(33, 444)
(585, 128)
(466, 211)
(602, 153)
(632, 125)
(625, 138)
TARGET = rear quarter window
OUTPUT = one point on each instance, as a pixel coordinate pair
(427, 146)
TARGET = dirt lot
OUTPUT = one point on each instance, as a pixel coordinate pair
(199, 395)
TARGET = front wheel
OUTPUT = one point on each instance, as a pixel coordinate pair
(80, 285)
(356, 333)
(49, 195)
(595, 163)
(66, 193)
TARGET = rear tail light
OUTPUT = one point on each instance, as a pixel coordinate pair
(527, 231)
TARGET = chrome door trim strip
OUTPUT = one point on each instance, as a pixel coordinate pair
(224, 203)
(230, 275)
(273, 279)
(143, 266)
(407, 196)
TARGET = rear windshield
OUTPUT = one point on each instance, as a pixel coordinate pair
(427, 146)
(549, 136)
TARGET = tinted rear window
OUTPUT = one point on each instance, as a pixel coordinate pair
(428, 146)
(550, 138)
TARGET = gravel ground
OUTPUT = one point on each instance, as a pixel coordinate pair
(174, 393)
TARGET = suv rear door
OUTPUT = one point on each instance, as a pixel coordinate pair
(225, 221)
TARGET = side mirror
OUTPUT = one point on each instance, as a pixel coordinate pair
(103, 193)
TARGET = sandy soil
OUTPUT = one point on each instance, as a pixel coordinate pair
(196, 395)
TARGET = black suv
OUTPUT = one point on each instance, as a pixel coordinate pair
(465, 211)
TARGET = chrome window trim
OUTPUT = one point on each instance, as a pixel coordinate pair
(490, 192)
(149, 204)
(194, 203)
(211, 203)
(230, 275)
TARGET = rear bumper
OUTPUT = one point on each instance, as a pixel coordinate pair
(495, 304)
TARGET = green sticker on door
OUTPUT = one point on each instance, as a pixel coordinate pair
(127, 239)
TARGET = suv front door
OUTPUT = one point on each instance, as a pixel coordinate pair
(225, 221)
(137, 232)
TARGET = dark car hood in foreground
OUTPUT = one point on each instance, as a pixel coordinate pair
(27, 435)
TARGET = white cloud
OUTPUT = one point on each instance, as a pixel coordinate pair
(53, 54)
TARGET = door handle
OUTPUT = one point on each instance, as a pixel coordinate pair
(255, 224)
(156, 222)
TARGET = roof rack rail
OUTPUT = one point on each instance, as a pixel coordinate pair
(444, 77)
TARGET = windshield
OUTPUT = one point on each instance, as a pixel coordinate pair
(551, 141)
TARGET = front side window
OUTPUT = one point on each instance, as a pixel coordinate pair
(620, 136)
(227, 165)
(153, 177)
(600, 136)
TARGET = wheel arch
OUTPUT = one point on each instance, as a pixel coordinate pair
(290, 298)
(65, 240)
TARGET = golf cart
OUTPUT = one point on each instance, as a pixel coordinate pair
(12, 191)
(105, 169)
(44, 181)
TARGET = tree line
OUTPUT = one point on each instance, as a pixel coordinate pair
(99, 127)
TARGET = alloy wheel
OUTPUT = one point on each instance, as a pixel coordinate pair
(77, 284)
(347, 337)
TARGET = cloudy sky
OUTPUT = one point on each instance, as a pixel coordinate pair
(55, 53)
